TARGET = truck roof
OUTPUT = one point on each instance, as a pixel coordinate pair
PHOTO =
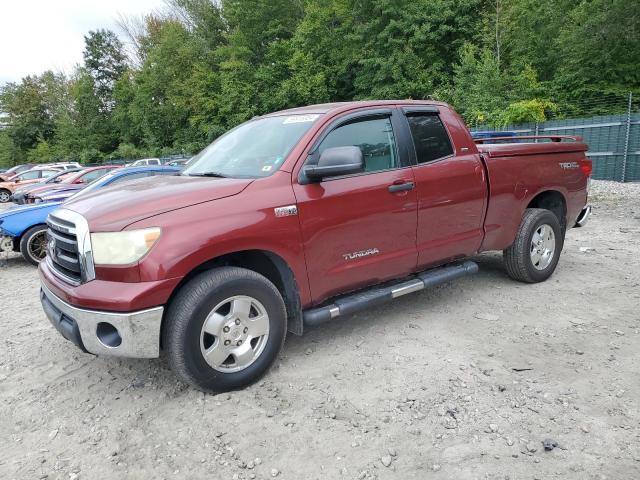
(336, 107)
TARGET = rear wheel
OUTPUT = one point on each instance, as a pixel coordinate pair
(224, 329)
(5, 196)
(534, 255)
(33, 244)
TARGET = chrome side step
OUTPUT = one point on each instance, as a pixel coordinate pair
(379, 295)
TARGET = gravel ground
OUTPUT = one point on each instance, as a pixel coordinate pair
(463, 381)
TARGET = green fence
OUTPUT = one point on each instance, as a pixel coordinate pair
(614, 142)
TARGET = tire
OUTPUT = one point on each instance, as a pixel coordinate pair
(5, 195)
(194, 337)
(33, 244)
(529, 259)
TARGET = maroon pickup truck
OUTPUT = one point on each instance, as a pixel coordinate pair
(296, 218)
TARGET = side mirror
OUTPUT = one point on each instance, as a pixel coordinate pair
(335, 162)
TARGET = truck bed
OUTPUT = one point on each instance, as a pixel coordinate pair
(519, 170)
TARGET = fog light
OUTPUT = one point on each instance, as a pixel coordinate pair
(108, 335)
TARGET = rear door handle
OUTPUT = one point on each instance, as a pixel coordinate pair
(401, 187)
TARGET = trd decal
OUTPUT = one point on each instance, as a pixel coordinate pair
(569, 165)
(286, 211)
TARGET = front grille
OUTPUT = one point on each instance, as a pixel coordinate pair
(63, 253)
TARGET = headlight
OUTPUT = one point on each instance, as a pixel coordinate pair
(122, 248)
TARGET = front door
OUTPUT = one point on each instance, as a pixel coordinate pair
(360, 229)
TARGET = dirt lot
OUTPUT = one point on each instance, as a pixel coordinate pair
(463, 381)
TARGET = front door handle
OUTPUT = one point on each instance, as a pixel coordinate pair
(401, 187)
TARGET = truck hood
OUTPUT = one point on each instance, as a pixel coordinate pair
(113, 208)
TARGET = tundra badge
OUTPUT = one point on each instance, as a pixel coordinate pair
(286, 211)
(360, 254)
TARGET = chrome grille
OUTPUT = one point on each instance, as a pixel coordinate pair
(62, 249)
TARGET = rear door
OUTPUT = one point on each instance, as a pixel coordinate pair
(360, 229)
(451, 190)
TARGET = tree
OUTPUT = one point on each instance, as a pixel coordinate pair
(161, 101)
(105, 62)
(200, 67)
(32, 109)
(485, 93)
(601, 54)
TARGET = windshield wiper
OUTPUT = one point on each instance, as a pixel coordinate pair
(208, 174)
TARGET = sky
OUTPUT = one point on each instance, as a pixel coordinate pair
(39, 35)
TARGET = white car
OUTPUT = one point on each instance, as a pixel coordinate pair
(145, 161)
(65, 165)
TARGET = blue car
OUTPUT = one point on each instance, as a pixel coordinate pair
(24, 228)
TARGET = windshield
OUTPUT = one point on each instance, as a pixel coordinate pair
(72, 177)
(254, 149)
(97, 183)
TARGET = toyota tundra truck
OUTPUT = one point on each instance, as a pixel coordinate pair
(296, 218)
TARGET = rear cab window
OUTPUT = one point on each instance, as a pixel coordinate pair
(430, 138)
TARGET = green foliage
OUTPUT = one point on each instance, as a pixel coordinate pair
(41, 153)
(485, 93)
(203, 66)
(104, 61)
(9, 154)
(527, 111)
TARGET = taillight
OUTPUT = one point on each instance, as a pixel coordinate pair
(586, 166)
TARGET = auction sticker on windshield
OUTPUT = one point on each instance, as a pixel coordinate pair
(300, 119)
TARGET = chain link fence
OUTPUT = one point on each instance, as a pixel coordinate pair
(614, 140)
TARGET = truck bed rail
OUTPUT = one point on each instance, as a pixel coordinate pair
(553, 138)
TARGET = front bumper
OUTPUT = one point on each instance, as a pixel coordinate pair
(582, 219)
(134, 335)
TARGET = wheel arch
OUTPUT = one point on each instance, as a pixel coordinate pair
(268, 264)
(17, 234)
(555, 202)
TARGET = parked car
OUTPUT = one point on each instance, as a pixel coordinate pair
(71, 185)
(294, 219)
(19, 193)
(489, 136)
(65, 165)
(145, 161)
(179, 162)
(23, 228)
(13, 171)
(35, 175)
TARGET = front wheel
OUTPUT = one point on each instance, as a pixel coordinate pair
(224, 329)
(534, 255)
(33, 244)
(5, 196)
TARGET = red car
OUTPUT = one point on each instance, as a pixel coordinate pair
(296, 218)
(76, 181)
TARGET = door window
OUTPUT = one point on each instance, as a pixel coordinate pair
(30, 175)
(374, 138)
(429, 137)
(92, 175)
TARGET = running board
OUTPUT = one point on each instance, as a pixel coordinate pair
(379, 295)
